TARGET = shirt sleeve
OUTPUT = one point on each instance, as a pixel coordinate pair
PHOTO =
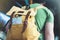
(50, 17)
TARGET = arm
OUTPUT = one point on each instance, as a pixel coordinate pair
(49, 34)
(49, 27)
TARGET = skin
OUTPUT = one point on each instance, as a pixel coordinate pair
(49, 33)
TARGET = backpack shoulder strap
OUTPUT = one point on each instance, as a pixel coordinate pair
(26, 21)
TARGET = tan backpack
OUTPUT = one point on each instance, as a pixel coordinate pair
(26, 30)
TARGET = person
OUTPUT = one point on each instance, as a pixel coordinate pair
(44, 17)
(44, 21)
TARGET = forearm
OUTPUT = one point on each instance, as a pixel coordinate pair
(49, 34)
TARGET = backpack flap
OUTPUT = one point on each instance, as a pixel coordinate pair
(21, 11)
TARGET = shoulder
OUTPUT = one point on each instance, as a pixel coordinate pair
(45, 12)
(50, 16)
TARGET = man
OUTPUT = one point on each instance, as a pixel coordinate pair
(45, 22)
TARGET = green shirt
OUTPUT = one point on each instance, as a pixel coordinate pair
(42, 16)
